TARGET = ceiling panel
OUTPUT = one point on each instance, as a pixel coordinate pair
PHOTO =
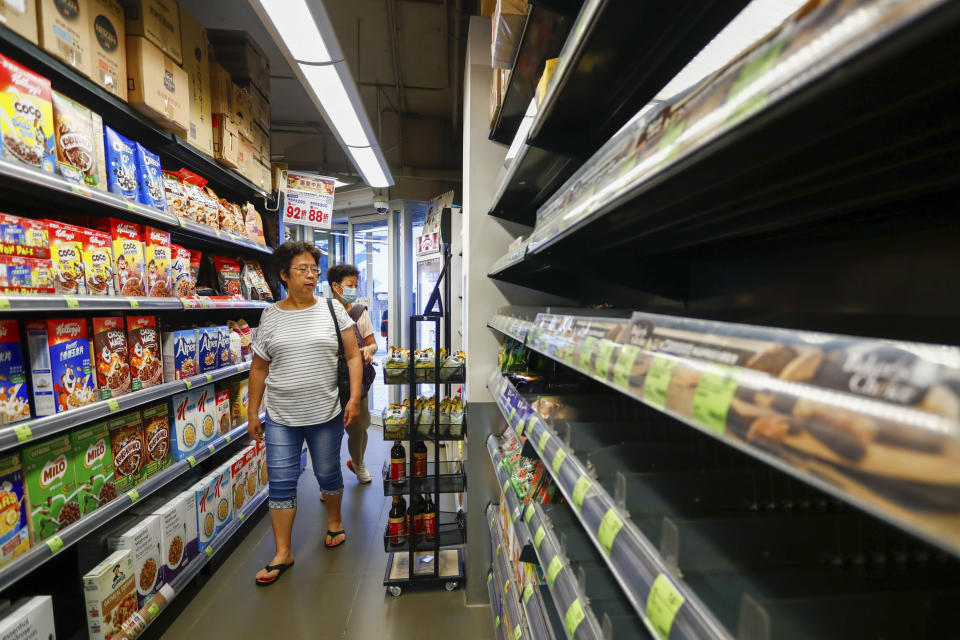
(423, 44)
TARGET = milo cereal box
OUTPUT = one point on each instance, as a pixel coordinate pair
(14, 510)
(143, 341)
(127, 255)
(111, 355)
(14, 397)
(26, 116)
(60, 365)
(51, 486)
(156, 255)
(93, 467)
(126, 445)
(98, 263)
(156, 438)
(66, 251)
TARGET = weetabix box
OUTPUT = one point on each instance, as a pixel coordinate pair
(184, 434)
(110, 593)
(32, 618)
(93, 467)
(15, 520)
(60, 365)
(108, 46)
(51, 486)
(64, 32)
(196, 62)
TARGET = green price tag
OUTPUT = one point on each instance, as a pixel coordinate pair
(211, 448)
(517, 632)
(528, 514)
(609, 528)
(558, 459)
(188, 383)
(209, 552)
(512, 415)
(516, 513)
(23, 433)
(519, 427)
(580, 491)
(134, 303)
(113, 406)
(506, 485)
(586, 352)
(4, 303)
(499, 465)
(553, 570)
(506, 586)
(77, 189)
(624, 365)
(154, 610)
(72, 303)
(569, 351)
(539, 536)
(241, 517)
(527, 594)
(663, 603)
(217, 231)
(573, 617)
(209, 377)
(131, 206)
(751, 72)
(496, 623)
(55, 543)
(241, 368)
(531, 421)
(604, 354)
(133, 494)
(192, 461)
(712, 399)
(498, 549)
(658, 380)
(489, 577)
(227, 438)
(544, 437)
(181, 222)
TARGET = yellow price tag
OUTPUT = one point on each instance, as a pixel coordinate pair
(506, 587)
(624, 365)
(553, 569)
(516, 513)
(209, 377)
(113, 406)
(227, 438)
(209, 552)
(528, 514)
(240, 516)
(580, 491)
(658, 381)
(712, 399)
(609, 528)
(23, 433)
(496, 623)
(181, 222)
(573, 617)
(604, 355)
(663, 603)
(154, 610)
(517, 632)
(134, 303)
(586, 352)
(192, 461)
(131, 206)
(527, 594)
(489, 577)
(544, 437)
(55, 543)
(558, 459)
(188, 383)
(539, 536)
(133, 494)
(4, 303)
(72, 302)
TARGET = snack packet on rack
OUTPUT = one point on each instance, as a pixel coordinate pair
(176, 196)
(423, 365)
(454, 366)
(395, 365)
(98, 263)
(255, 282)
(253, 224)
(425, 417)
(241, 328)
(395, 420)
(200, 206)
(456, 417)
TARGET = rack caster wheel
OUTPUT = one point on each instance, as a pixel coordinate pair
(395, 591)
(451, 585)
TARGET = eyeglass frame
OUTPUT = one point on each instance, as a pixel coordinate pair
(304, 270)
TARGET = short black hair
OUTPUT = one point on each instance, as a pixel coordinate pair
(284, 254)
(340, 272)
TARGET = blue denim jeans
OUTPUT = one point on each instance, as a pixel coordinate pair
(284, 445)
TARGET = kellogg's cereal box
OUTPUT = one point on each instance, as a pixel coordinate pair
(121, 156)
(205, 402)
(179, 354)
(188, 505)
(222, 492)
(26, 124)
(26, 275)
(66, 251)
(127, 255)
(111, 356)
(250, 460)
(208, 349)
(127, 448)
(23, 237)
(222, 411)
(14, 510)
(51, 486)
(150, 179)
(156, 252)
(262, 463)
(79, 137)
(60, 365)
(184, 433)
(93, 467)
(156, 438)
(110, 593)
(180, 277)
(238, 480)
(143, 340)
(98, 263)
(14, 396)
(205, 506)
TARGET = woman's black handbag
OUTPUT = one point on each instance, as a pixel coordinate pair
(343, 372)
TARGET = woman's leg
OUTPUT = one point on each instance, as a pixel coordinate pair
(283, 469)
(324, 441)
(357, 434)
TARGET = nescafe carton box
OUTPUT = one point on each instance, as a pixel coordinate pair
(14, 396)
(179, 354)
(51, 486)
(127, 449)
(208, 349)
(206, 403)
(108, 48)
(143, 342)
(64, 32)
(60, 366)
(184, 434)
(27, 128)
(156, 438)
(14, 510)
(93, 467)
(110, 594)
(111, 356)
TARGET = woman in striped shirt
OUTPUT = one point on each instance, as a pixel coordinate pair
(294, 372)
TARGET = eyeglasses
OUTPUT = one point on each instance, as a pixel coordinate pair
(311, 270)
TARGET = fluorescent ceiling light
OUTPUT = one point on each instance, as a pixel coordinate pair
(328, 86)
(369, 165)
(298, 29)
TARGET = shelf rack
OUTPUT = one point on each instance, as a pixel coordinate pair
(18, 434)
(513, 504)
(43, 551)
(495, 608)
(49, 303)
(505, 583)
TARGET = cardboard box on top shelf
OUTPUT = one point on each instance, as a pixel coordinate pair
(508, 20)
(241, 113)
(108, 46)
(247, 159)
(156, 86)
(64, 32)
(487, 7)
(156, 20)
(21, 18)
(221, 88)
(277, 170)
(260, 109)
(243, 58)
(261, 144)
(496, 95)
(196, 62)
(265, 176)
(226, 140)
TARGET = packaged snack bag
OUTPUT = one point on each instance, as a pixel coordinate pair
(23, 237)
(156, 255)
(201, 206)
(255, 282)
(180, 276)
(179, 354)
(14, 510)
(121, 155)
(127, 255)
(242, 329)
(150, 190)
(66, 249)
(61, 369)
(156, 439)
(111, 357)
(93, 466)
(176, 195)
(194, 266)
(253, 224)
(14, 396)
(228, 276)
(27, 125)
(79, 138)
(395, 365)
(98, 263)
(127, 448)
(51, 486)
(143, 341)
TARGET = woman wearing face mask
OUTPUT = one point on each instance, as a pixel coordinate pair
(344, 280)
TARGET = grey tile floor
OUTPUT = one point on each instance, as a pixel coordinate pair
(327, 594)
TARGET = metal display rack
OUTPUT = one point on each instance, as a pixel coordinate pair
(51, 303)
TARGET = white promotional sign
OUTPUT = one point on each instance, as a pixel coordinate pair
(308, 200)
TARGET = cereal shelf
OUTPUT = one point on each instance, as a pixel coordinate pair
(46, 303)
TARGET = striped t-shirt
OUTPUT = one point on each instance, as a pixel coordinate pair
(301, 347)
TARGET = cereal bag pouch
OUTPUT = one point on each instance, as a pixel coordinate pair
(121, 154)
(150, 179)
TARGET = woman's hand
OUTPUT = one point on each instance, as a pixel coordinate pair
(367, 353)
(351, 412)
(255, 428)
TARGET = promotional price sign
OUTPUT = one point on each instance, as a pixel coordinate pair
(308, 200)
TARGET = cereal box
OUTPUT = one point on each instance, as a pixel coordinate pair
(121, 156)
(98, 263)
(127, 255)
(173, 535)
(110, 593)
(143, 540)
(93, 467)
(23, 237)
(27, 122)
(238, 480)
(188, 506)
(180, 277)
(14, 510)
(26, 275)
(14, 397)
(250, 461)
(224, 358)
(156, 254)
(228, 276)
(111, 356)
(184, 435)
(126, 445)
(222, 492)
(156, 438)
(205, 505)
(239, 398)
(66, 251)
(51, 486)
(206, 404)
(60, 365)
(150, 179)
(208, 349)
(179, 354)
(79, 138)
(33, 618)
(146, 365)
(222, 411)
(261, 465)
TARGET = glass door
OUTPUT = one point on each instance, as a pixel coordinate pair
(371, 256)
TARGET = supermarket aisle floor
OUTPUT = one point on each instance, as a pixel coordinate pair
(327, 594)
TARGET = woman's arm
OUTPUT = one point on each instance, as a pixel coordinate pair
(355, 364)
(259, 369)
(369, 349)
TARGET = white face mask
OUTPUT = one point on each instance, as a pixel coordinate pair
(349, 294)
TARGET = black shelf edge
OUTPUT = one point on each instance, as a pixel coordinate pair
(451, 380)
(449, 481)
(48, 303)
(451, 531)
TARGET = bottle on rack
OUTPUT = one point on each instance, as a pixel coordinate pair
(415, 519)
(398, 463)
(397, 529)
(429, 518)
(420, 459)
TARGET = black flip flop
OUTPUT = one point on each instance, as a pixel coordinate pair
(334, 534)
(273, 567)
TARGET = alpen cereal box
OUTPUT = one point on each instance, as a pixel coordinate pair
(205, 505)
(173, 535)
(26, 124)
(181, 279)
(156, 255)
(33, 618)
(206, 403)
(127, 449)
(188, 506)
(184, 435)
(223, 506)
(208, 349)
(150, 179)
(14, 510)
(121, 154)
(98, 263)
(51, 486)
(179, 354)
(156, 438)
(93, 467)
(60, 365)
(143, 342)
(23, 237)
(127, 256)
(111, 355)
(110, 594)
(143, 541)
(222, 411)
(14, 396)
(66, 251)
(224, 358)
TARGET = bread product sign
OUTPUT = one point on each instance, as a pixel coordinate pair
(66, 251)
(61, 368)
(26, 116)
(14, 397)
(111, 356)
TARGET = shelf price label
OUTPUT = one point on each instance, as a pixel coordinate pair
(553, 570)
(154, 610)
(527, 594)
(604, 355)
(528, 514)
(663, 603)
(23, 433)
(586, 352)
(544, 438)
(241, 516)
(573, 617)
(133, 494)
(517, 633)
(539, 536)
(624, 365)
(658, 381)
(712, 399)
(209, 552)
(4, 303)
(134, 303)
(558, 459)
(55, 544)
(496, 623)
(516, 513)
(489, 577)
(580, 491)
(113, 405)
(191, 461)
(609, 528)
(72, 302)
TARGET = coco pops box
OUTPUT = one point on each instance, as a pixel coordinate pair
(156, 256)
(60, 365)
(27, 123)
(66, 251)
(156, 439)
(98, 263)
(14, 396)
(128, 263)
(111, 356)
(51, 486)
(143, 342)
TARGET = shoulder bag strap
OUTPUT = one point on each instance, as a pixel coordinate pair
(336, 326)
